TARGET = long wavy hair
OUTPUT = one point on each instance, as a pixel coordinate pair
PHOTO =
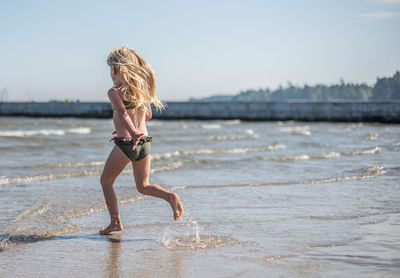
(135, 78)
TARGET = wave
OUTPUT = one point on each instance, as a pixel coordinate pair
(80, 130)
(4, 180)
(289, 122)
(61, 165)
(232, 138)
(369, 173)
(372, 136)
(168, 167)
(71, 165)
(306, 156)
(154, 157)
(247, 131)
(334, 244)
(296, 130)
(325, 155)
(36, 224)
(346, 217)
(9, 240)
(268, 259)
(55, 132)
(232, 122)
(45, 177)
(39, 223)
(168, 155)
(250, 135)
(32, 212)
(366, 151)
(76, 213)
(211, 126)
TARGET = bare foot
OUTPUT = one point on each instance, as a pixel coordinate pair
(111, 228)
(176, 205)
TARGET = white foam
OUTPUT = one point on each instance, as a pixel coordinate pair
(60, 165)
(161, 156)
(367, 151)
(306, 156)
(232, 138)
(46, 132)
(21, 133)
(296, 130)
(168, 167)
(44, 177)
(32, 212)
(211, 126)
(232, 122)
(325, 155)
(168, 155)
(249, 131)
(185, 235)
(372, 136)
(80, 130)
(225, 138)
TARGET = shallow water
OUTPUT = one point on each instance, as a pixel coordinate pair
(261, 199)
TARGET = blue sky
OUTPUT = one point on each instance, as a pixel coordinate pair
(58, 49)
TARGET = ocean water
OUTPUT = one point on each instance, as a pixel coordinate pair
(261, 199)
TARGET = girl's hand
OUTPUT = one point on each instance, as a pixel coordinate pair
(136, 139)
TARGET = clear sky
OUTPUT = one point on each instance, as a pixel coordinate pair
(57, 49)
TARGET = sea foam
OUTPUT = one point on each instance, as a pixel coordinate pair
(46, 132)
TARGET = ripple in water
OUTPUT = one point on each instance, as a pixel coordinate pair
(186, 236)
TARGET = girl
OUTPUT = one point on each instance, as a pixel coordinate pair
(130, 97)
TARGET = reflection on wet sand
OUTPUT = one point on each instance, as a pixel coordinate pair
(114, 249)
(163, 263)
(148, 263)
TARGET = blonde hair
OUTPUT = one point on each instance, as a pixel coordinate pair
(135, 78)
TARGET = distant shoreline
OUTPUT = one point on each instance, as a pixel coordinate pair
(334, 111)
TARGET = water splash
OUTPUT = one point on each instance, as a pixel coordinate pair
(185, 235)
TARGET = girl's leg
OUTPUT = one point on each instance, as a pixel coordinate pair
(115, 164)
(141, 171)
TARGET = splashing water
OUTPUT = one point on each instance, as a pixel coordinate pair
(182, 235)
(185, 235)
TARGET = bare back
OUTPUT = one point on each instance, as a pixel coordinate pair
(138, 118)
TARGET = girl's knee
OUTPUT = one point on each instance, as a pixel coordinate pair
(106, 181)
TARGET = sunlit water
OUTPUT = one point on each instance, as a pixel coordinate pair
(261, 199)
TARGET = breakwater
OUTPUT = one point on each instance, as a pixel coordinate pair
(336, 111)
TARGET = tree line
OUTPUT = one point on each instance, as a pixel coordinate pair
(386, 88)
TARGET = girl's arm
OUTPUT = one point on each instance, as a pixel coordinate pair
(123, 116)
(149, 114)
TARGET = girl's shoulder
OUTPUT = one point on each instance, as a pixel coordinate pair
(113, 91)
